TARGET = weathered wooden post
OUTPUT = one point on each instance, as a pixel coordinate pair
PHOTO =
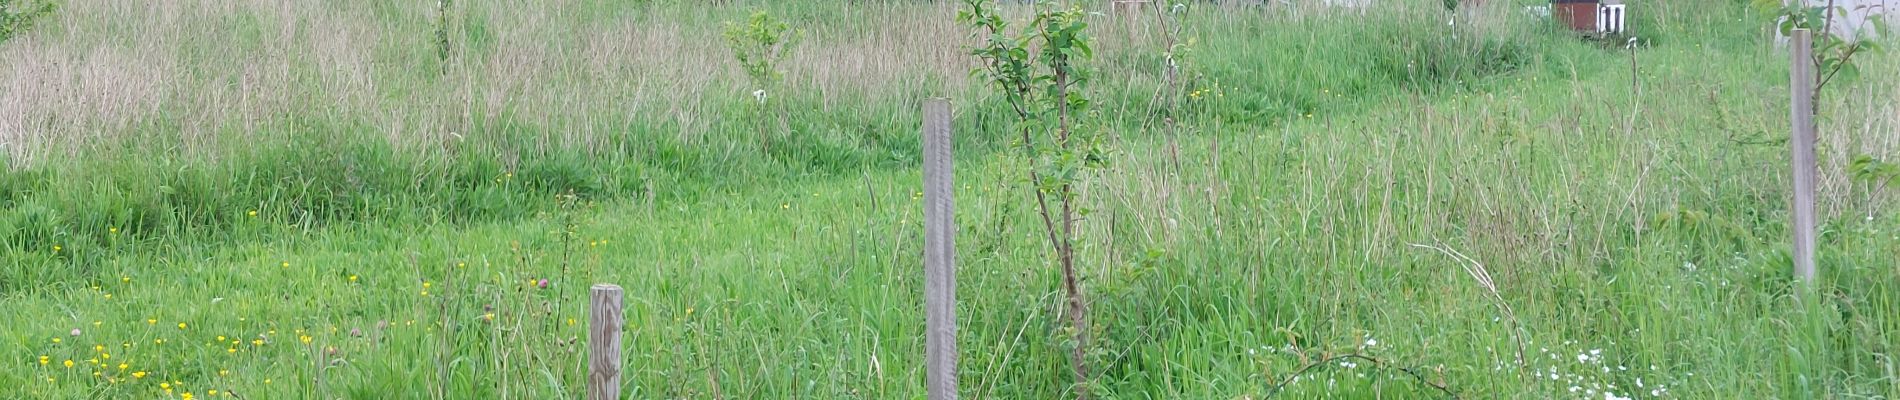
(1801, 104)
(603, 343)
(940, 270)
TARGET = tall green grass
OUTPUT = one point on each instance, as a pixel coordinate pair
(1633, 227)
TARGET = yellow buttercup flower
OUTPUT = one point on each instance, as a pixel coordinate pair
(181, 325)
(69, 363)
(139, 374)
(44, 360)
(122, 366)
(305, 339)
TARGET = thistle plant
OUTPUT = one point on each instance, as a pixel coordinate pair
(1039, 73)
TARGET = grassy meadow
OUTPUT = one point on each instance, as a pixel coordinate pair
(381, 200)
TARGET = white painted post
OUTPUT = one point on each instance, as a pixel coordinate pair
(940, 276)
(1801, 104)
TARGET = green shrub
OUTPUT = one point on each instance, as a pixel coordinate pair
(17, 16)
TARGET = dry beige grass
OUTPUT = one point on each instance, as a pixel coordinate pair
(220, 71)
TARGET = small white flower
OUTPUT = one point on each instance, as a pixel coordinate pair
(1372, 342)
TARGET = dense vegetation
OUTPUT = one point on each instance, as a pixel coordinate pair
(374, 200)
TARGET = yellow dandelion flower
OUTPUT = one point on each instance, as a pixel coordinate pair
(56, 248)
(158, 341)
(425, 284)
(55, 340)
(220, 338)
(305, 339)
(69, 363)
(459, 265)
(224, 372)
(352, 278)
(570, 322)
(181, 325)
(112, 229)
(99, 348)
(232, 350)
(489, 316)
(139, 374)
(186, 396)
(151, 322)
(267, 381)
(45, 359)
(213, 392)
(94, 360)
(124, 279)
(257, 342)
(122, 366)
(252, 213)
(107, 356)
(425, 293)
(286, 264)
(108, 296)
(164, 385)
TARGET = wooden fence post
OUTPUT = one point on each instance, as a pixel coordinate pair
(940, 275)
(603, 343)
(1801, 104)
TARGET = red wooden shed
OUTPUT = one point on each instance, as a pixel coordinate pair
(1595, 17)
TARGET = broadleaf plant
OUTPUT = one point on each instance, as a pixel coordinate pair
(1040, 72)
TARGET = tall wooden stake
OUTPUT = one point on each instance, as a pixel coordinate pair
(1801, 104)
(940, 266)
(603, 343)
